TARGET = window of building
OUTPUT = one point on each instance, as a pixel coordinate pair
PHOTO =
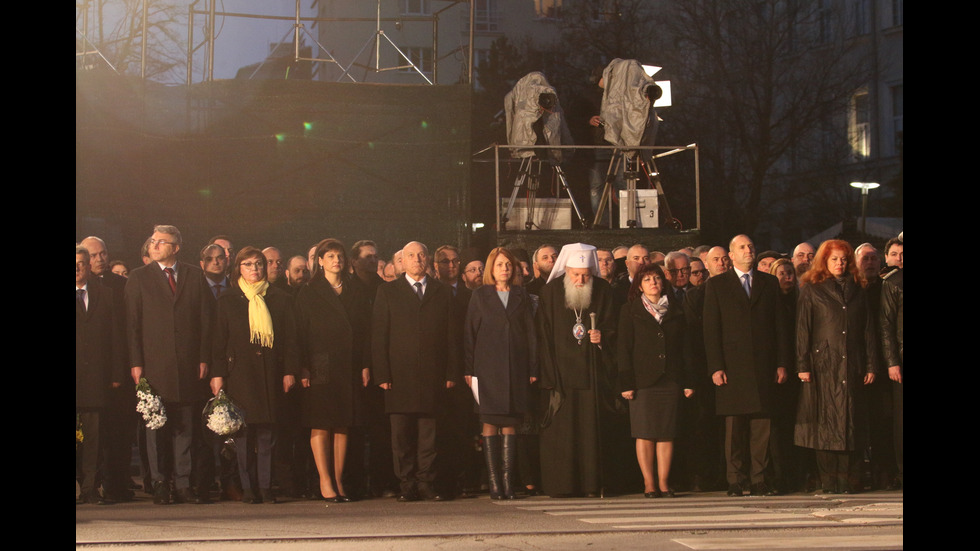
(420, 57)
(859, 125)
(898, 111)
(481, 56)
(486, 15)
(898, 12)
(548, 9)
(416, 7)
(605, 10)
(862, 17)
(825, 22)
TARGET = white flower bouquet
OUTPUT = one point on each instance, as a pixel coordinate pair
(150, 405)
(223, 416)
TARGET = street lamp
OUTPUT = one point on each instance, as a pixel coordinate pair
(864, 187)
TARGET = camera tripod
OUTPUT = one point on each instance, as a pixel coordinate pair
(632, 168)
(530, 172)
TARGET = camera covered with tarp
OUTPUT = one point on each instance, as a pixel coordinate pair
(627, 112)
(534, 117)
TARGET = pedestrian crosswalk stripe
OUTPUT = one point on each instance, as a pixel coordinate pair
(719, 512)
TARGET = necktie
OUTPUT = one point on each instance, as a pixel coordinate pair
(418, 289)
(170, 277)
(746, 286)
(80, 298)
(217, 289)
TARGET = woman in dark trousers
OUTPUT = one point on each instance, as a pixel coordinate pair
(333, 316)
(500, 350)
(835, 351)
(652, 377)
(256, 362)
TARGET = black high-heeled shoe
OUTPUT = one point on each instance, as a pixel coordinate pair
(654, 494)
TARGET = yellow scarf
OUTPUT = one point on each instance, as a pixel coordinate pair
(259, 319)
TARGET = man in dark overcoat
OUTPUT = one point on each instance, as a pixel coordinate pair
(119, 416)
(210, 459)
(746, 349)
(701, 439)
(374, 436)
(415, 360)
(99, 367)
(893, 347)
(169, 314)
(459, 462)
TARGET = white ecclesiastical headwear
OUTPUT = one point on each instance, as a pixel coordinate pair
(575, 255)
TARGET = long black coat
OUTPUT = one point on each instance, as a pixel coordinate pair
(649, 351)
(253, 373)
(835, 343)
(414, 345)
(169, 334)
(334, 339)
(893, 319)
(743, 337)
(500, 349)
(99, 347)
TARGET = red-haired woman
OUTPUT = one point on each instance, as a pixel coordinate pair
(835, 349)
(501, 354)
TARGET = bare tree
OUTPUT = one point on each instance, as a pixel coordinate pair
(608, 29)
(763, 87)
(116, 30)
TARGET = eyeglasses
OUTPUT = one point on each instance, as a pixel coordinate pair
(214, 258)
(698, 272)
(154, 242)
(448, 261)
(681, 270)
(474, 269)
(257, 265)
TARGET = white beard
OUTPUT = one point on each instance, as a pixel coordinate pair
(578, 298)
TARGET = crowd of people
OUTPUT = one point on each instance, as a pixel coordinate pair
(571, 371)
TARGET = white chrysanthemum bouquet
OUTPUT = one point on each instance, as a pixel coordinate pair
(150, 405)
(223, 416)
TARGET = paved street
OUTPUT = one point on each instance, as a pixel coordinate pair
(703, 521)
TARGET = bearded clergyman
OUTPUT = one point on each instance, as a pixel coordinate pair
(576, 327)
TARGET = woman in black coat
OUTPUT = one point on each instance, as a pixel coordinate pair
(835, 350)
(500, 350)
(333, 318)
(255, 362)
(652, 376)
